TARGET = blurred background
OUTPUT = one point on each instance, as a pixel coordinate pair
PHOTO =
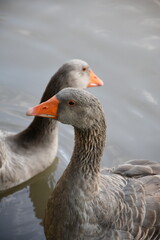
(120, 39)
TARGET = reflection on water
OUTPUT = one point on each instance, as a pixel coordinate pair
(120, 40)
(17, 213)
(22, 208)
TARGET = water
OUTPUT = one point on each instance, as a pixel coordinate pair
(121, 42)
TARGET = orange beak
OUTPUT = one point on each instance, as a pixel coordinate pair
(47, 109)
(94, 80)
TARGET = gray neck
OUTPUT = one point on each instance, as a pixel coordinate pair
(82, 173)
(88, 149)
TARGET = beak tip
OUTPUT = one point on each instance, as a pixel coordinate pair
(29, 112)
(101, 83)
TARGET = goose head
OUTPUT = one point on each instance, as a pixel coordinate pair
(71, 106)
(75, 73)
(79, 74)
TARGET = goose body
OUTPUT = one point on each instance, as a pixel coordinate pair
(89, 203)
(29, 152)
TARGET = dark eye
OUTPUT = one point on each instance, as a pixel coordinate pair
(71, 102)
(84, 69)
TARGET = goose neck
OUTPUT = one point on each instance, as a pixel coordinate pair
(89, 145)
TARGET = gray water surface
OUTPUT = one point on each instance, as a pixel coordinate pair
(120, 39)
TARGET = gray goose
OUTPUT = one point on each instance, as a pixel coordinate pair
(112, 204)
(29, 152)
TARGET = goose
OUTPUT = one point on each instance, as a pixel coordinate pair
(87, 203)
(29, 152)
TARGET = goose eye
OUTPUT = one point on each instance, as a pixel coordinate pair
(71, 103)
(84, 69)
